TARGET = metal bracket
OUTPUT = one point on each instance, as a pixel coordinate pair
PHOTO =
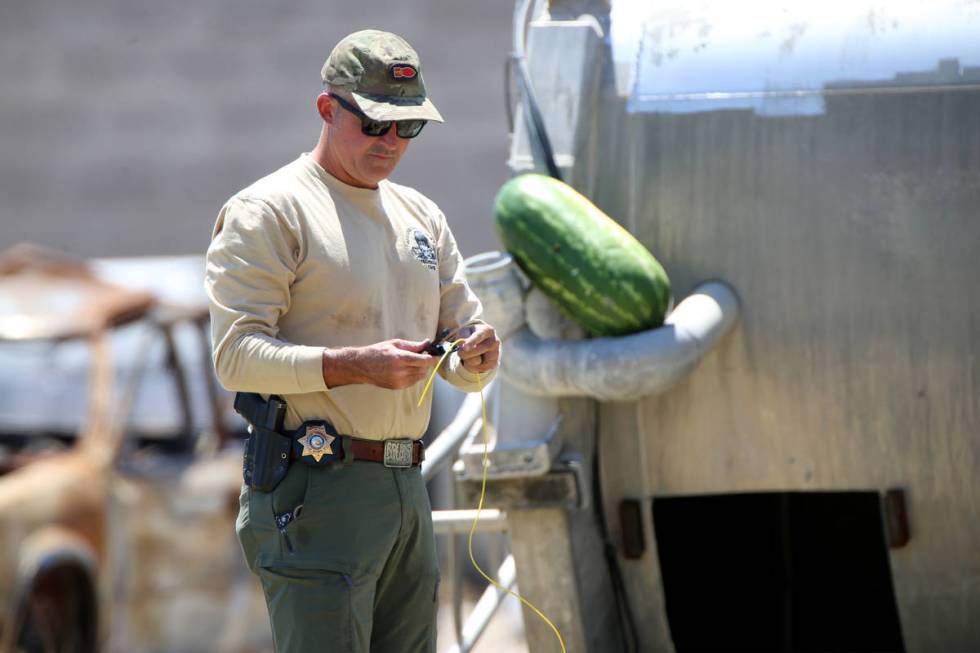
(895, 515)
(510, 459)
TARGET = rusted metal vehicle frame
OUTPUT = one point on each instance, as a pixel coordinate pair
(59, 569)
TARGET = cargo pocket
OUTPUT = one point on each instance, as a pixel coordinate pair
(309, 608)
(287, 504)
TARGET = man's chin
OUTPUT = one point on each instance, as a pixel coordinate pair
(380, 167)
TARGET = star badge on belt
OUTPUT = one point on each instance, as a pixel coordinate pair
(316, 442)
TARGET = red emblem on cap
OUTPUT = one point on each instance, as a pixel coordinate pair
(403, 71)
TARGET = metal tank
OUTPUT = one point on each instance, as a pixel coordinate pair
(807, 475)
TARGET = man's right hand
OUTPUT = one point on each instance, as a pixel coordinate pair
(392, 364)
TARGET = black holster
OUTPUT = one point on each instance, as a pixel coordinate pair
(267, 449)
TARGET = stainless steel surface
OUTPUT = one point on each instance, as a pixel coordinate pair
(573, 74)
(846, 218)
(785, 58)
(851, 236)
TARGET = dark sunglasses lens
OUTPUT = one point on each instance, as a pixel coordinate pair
(404, 128)
(375, 127)
(410, 128)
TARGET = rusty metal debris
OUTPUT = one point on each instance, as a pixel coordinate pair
(112, 537)
(43, 295)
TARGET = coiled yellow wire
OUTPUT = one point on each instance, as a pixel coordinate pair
(483, 494)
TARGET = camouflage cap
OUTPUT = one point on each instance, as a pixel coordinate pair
(382, 73)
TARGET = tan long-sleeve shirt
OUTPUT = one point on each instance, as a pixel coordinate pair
(300, 261)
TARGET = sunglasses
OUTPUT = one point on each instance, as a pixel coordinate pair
(371, 127)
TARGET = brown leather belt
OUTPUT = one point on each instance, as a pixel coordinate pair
(374, 451)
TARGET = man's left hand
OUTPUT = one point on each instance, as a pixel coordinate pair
(480, 352)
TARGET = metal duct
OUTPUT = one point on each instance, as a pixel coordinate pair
(623, 368)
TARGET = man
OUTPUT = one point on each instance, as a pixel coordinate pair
(327, 283)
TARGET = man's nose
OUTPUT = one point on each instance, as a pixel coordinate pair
(391, 138)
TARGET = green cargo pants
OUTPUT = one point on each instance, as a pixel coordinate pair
(356, 569)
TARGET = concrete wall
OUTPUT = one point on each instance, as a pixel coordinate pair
(125, 125)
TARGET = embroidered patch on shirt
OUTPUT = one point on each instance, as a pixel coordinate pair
(422, 248)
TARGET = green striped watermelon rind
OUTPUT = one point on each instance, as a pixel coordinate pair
(597, 272)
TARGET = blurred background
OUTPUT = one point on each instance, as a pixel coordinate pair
(126, 125)
(124, 128)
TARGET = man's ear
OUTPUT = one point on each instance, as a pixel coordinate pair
(326, 107)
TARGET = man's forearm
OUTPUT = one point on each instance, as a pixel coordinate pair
(257, 362)
(341, 367)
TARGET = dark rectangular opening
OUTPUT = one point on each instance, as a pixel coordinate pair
(777, 571)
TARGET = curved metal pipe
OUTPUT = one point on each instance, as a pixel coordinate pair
(627, 367)
(623, 368)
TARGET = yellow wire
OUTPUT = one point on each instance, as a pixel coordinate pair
(483, 494)
(432, 376)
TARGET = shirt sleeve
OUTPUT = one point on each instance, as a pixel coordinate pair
(458, 306)
(249, 268)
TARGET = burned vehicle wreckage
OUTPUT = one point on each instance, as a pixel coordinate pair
(119, 475)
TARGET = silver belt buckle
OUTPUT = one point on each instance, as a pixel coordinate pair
(398, 453)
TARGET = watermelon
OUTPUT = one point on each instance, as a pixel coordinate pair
(594, 270)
